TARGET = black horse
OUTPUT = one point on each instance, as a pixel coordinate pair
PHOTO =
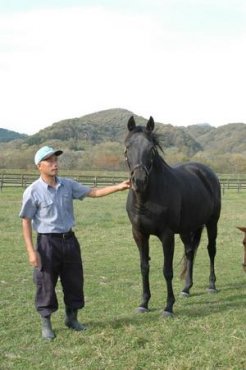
(164, 201)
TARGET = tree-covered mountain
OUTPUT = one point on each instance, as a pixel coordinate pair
(109, 126)
(97, 141)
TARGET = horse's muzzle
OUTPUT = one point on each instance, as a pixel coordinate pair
(139, 179)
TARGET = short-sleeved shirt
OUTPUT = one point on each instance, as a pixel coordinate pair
(51, 209)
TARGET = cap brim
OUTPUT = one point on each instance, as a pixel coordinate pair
(57, 153)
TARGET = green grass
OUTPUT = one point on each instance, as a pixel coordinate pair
(207, 332)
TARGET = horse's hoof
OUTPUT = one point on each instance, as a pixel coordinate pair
(167, 314)
(212, 291)
(141, 310)
(184, 294)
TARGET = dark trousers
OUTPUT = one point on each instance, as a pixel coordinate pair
(60, 257)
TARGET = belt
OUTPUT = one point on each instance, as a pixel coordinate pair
(66, 235)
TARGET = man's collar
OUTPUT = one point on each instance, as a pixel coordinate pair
(58, 182)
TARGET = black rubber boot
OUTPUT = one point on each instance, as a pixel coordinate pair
(71, 320)
(47, 332)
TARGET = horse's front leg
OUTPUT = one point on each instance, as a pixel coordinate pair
(142, 242)
(168, 251)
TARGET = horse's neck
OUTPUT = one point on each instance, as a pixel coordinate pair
(160, 168)
(159, 161)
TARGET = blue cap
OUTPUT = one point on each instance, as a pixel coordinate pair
(44, 153)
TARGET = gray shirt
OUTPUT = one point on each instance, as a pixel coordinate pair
(51, 209)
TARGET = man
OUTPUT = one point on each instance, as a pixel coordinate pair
(48, 209)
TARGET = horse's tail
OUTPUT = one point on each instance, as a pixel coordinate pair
(195, 242)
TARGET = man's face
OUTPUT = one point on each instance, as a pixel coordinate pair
(49, 166)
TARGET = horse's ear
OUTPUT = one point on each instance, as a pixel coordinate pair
(150, 124)
(243, 229)
(131, 123)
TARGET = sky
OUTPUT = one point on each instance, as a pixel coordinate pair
(181, 61)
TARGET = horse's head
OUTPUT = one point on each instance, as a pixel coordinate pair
(140, 152)
(243, 229)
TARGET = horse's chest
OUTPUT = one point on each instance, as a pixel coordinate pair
(147, 217)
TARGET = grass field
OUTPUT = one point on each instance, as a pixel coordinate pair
(207, 332)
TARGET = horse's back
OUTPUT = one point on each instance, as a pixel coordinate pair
(200, 175)
(200, 189)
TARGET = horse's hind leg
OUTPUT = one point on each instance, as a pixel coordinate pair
(212, 235)
(191, 242)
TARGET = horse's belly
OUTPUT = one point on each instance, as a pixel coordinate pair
(195, 217)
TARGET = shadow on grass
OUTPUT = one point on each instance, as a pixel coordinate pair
(194, 311)
(238, 285)
(191, 307)
(214, 303)
(95, 325)
(217, 304)
(207, 308)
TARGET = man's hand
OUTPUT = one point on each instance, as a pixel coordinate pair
(102, 192)
(34, 259)
(124, 185)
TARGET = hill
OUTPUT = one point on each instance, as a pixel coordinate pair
(97, 140)
(230, 138)
(109, 126)
(8, 135)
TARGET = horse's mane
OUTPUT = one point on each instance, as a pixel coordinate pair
(156, 141)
